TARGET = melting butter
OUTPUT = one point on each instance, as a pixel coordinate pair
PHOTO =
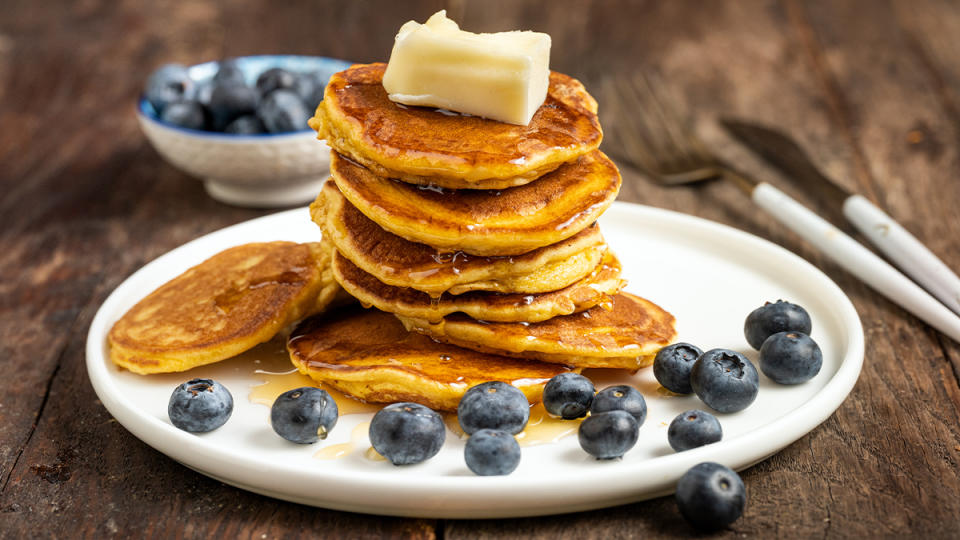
(502, 76)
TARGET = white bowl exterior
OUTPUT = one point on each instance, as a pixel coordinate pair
(278, 161)
(551, 479)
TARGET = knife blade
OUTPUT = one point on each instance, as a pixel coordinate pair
(901, 247)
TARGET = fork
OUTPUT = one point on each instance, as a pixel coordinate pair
(659, 144)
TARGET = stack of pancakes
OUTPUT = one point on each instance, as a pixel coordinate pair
(479, 234)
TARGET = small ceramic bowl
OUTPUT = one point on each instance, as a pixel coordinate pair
(264, 170)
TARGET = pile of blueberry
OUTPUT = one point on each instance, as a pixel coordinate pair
(279, 102)
(726, 380)
(709, 495)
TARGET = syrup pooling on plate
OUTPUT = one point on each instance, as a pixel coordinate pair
(540, 429)
(337, 451)
(273, 368)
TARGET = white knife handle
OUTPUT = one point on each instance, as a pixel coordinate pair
(857, 259)
(904, 250)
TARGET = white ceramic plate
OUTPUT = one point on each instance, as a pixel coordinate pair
(710, 276)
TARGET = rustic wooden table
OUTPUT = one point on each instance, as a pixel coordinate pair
(871, 89)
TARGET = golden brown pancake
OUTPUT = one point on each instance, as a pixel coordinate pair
(367, 354)
(485, 222)
(626, 334)
(590, 291)
(432, 147)
(225, 305)
(401, 263)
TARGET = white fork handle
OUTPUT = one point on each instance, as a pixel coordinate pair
(904, 250)
(857, 259)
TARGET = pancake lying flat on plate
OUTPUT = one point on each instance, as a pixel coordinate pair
(368, 355)
(626, 334)
(401, 263)
(225, 305)
(485, 222)
(441, 148)
(592, 290)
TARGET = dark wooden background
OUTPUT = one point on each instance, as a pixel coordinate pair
(870, 88)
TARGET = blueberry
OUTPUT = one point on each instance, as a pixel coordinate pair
(309, 87)
(672, 365)
(608, 435)
(275, 79)
(282, 111)
(407, 433)
(568, 395)
(316, 82)
(491, 452)
(493, 405)
(621, 398)
(186, 113)
(229, 74)
(304, 415)
(228, 102)
(204, 93)
(168, 84)
(725, 380)
(200, 405)
(247, 124)
(790, 358)
(770, 319)
(711, 496)
(692, 429)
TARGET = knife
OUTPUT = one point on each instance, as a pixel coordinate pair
(901, 247)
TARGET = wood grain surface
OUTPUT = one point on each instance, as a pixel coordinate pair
(871, 89)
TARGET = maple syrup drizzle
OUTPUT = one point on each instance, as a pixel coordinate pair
(337, 451)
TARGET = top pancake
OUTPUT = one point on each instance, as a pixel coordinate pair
(225, 305)
(511, 221)
(368, 354)
(428, 146)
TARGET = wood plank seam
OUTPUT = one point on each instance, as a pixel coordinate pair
(36, 420)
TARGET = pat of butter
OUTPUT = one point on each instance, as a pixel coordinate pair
(502, 76)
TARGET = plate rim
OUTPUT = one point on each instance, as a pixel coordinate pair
(487, 497)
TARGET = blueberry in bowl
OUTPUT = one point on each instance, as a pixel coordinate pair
(209, 121)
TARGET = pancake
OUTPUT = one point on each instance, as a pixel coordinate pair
(592, 290)
(368, 355)
(401, 263)
(435, 147)
(485, 222)
(626, 334)
(225, 305)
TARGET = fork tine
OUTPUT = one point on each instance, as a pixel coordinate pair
(633, 147)
(679, 138)
(644, 136)
(658, 142)
(684, 130)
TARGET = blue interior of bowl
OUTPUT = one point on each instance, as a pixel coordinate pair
(252, 67)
